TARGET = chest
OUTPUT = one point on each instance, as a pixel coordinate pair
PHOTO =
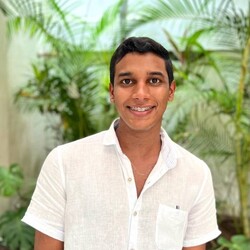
(140, 180)
(102, 205)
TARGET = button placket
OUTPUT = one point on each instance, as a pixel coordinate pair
(134, 220)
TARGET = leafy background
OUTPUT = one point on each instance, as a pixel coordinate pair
(209, 43)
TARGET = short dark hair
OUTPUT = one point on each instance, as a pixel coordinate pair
(140, 45)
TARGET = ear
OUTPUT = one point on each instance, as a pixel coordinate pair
(111, 93)
(172, 88)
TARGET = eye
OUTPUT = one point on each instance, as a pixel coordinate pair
(154, 81)
(126, 81)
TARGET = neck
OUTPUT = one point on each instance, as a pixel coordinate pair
(138, 143)
(142, 148)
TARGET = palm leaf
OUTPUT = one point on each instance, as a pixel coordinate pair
(181, 9)
(46, 19)
(226, 26)
(14, 233)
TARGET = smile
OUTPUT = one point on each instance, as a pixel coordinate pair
(141, 109)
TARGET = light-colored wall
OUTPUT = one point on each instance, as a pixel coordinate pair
(4, 115)
(4, 104)
(23, 138)
(27, 133)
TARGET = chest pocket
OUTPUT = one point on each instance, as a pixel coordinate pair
(171, 225)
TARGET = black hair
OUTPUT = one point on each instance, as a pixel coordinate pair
(140, 45)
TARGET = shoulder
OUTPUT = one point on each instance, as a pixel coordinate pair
(184, 153)
(92, 139)
(189, 162)
(181, 160)
(82, 148)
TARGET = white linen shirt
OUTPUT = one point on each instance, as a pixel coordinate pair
(86, 196)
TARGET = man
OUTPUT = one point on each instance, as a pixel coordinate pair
(130, 187)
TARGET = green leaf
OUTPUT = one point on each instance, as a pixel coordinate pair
(237, 242)
(11, 180)
(224, 242)
(16, 234)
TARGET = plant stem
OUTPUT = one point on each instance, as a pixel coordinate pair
(242, 168)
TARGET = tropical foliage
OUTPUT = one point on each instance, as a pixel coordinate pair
(211, 51)
(14, 233)
(238, 242)
(70, 80)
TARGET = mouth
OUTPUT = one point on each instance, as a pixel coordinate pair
(140, 109)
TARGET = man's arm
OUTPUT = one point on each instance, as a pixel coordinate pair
(43, 241)
(200, 247)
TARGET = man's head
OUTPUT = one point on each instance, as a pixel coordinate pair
(140, 45)
(141, 84)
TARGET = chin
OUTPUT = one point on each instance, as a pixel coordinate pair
(142, 127)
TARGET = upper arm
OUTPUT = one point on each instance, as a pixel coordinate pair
(43, 241)
(47, 207)
(200, 247)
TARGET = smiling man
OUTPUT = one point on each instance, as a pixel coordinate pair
(130, 187)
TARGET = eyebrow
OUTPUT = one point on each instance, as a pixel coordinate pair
(153, 73)
(124, 74)
(157, 73)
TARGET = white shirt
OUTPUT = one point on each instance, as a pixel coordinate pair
(86, 196)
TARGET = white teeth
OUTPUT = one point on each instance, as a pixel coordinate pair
(140, 109)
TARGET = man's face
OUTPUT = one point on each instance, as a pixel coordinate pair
(141, 91)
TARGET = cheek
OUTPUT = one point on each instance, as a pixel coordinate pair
(162, 96)
(119, 95)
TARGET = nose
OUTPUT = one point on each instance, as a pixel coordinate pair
(141, 91)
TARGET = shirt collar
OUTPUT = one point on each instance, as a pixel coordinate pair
(110, 137)
(169, 149)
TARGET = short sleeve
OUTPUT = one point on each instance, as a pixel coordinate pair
(202, 219)
(46, 210)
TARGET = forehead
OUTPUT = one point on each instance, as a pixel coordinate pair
(141, 62)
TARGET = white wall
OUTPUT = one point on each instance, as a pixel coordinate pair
(27, 135)
(23, 138)
(4, 103)
(4, 117)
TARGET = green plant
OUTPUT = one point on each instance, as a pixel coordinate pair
(237, 242)
(211, 112)
(13, 233)
(69, 80)
(11, 180)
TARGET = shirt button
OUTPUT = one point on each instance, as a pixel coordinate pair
(135, 213)
(129, 179)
